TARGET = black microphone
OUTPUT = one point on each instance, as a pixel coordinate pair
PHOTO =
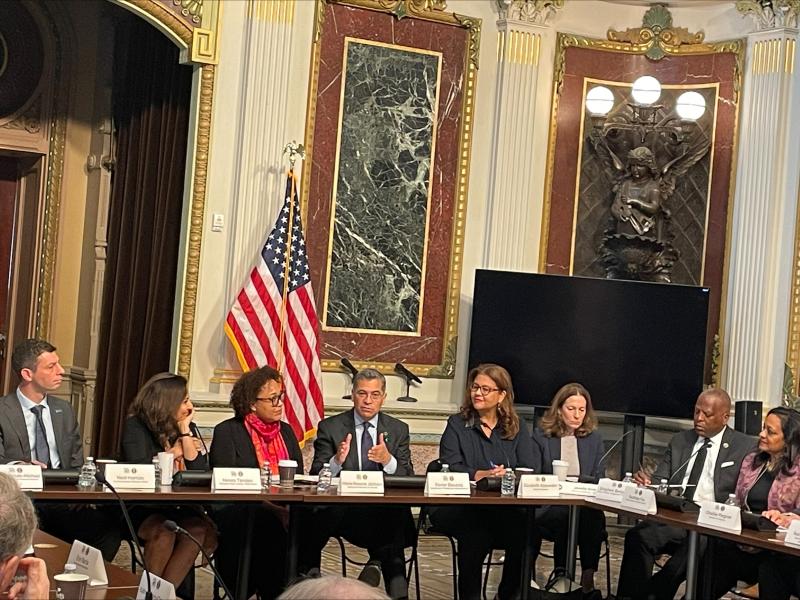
(174, 527)
(196, 433)
(707, 444)
(400, 368)
(349, 366)
(100, 476)
(614, 445)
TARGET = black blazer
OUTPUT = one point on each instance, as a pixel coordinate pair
(14, 442)
(232, 446)
(140, 445)
(331, 431)
(590, 451)
(466, 449)
(735, 446)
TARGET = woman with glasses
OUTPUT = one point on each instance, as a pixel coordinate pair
(568, 432)
(255, 436)
(768, 485)
(484, 439)
(160, 421)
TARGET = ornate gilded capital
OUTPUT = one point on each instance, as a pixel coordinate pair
(536, 12)
(770, 14)
(657, 34)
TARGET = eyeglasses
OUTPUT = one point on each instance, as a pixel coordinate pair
(275, 400)
(483, 390)
(374, 395)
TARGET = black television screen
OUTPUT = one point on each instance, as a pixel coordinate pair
(639, 348)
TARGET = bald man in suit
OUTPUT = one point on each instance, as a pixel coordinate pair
(38, 428)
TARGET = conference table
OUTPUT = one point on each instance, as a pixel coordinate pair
(303, 495)
(54, 552)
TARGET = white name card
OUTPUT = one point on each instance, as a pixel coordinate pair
(28, 477)
(720, 516)
(360, 482)
(162, 589)
(226, 478)
(447, 484)
(639, 500)
(610, 490)
(793, 534)
(88, 561)
(131, 477)
(538, 486)
(574, 488)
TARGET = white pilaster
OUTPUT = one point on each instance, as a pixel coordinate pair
(262, 132)
(514, 178)
(765, 213)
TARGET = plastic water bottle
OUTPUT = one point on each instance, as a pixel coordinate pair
(86, 478)
(508, 483)
(628, 478)
(445, 468)
(157, 469)
(70, 569)
(324, 481)
(266, 476)
(731, 501)
(663, 488)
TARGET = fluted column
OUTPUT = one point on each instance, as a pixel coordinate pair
(512, 187)
(262, 132)
(765, 215)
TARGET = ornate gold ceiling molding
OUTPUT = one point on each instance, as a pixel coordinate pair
(773, 14)
(536, 12)
(657, 37)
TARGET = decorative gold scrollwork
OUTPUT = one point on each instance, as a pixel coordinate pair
(657, 34)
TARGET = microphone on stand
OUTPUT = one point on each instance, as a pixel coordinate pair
(174, 527)
(196, 433)
(353, 372)
(100, 476)
(409, 376)
(614, 445)
(706, 445)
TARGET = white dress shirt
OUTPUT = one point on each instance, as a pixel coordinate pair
(705, 485)
(30, 422)
(389, 468)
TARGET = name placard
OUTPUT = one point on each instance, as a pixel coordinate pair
(610, 490)
(538, 486)
(574, 488)
(227, 478)
(793, 534)
(88, 561)
(720, 516)
(162, 589)
(28, 477)
(131, 477)
(360, 482)
(639, 500)
(447, 484)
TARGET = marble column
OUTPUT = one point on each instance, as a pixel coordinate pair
(514, 182)
(262, 132)
(765, 215)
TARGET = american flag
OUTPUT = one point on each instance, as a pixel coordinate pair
(275, 324)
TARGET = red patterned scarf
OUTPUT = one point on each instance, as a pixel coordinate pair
(267, 441)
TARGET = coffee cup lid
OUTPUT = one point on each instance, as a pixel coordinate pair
(560, 463)
(287, 463)
(71, 577)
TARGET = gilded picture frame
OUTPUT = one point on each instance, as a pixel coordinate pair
(380, 304)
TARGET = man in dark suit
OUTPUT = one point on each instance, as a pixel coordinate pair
(41, 429)
(365, 439)
(705, 461)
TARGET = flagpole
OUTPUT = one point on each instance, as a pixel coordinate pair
(295, 151)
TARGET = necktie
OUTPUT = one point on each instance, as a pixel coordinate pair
(42, 448)
(366, 444)
(697, 470)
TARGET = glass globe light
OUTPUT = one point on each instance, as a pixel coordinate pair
(646, 90)
(599, 100)
(690, 106)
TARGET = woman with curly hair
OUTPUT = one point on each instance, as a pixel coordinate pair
(484, 439)
(159, 421)
(567, 431)
(254, 436)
